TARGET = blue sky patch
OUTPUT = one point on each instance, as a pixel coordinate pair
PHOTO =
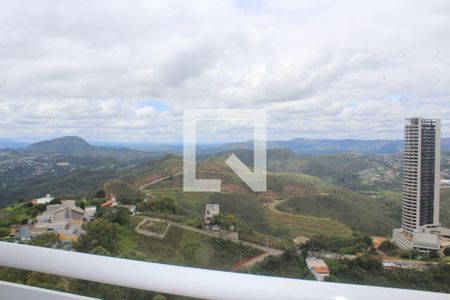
(159, 106)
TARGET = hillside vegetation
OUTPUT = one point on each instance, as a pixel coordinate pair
(319, 207)
(358, 212)
(76, 146)
(182, 247)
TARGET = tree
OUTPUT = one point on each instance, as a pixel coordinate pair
(81, 204)
(166, 205)
(95, 289)
(433, 255)
(412, 254)
(100, 232)
(447, 251)
(99, 250)
(116, 214)
(55, 201)
(217, 220)
(100, 194)
(13, 275)
(159, 297)
(48, 240)
(40, 208)
(347, 245)
(388, 248)
(4, 231)
(46, 281)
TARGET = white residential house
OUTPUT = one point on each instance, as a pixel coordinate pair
(211, 211)
(318, 268)
(43, 200)
(89, 213)
(131, 209)
(59, 217)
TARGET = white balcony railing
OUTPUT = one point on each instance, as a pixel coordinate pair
(13, 291)
(192, 282)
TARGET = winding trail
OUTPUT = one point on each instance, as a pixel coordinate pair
(272, 206)
(245, 263)
(142, 187)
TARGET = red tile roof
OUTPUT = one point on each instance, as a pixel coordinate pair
(321, 270)
(107, 203)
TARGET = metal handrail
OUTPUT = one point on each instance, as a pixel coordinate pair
(191, 282)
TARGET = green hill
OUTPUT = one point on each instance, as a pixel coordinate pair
(308, 195)
(183, 247)
(340, 169)
(318, 206)
(122, 190)
(354, 211)
(445, 207)
(76, 146)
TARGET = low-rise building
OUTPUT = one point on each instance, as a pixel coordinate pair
(318, 268)
(89, 213)
(44, 200)
(131, 209)
(26, 232)
(211, 211)
(65, 219)
(110, 202)
(426, 240)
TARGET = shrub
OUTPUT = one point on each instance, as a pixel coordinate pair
(388, 248)
(115, 214)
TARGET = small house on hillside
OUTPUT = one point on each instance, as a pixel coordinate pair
(110, 202)
(131, 209)
(43, 200)
(89, 213)
(318, 268)
(211, 211)
(64, 219)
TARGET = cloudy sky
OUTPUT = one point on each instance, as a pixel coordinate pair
(125, 70)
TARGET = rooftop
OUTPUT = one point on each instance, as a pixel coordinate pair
(427, 240)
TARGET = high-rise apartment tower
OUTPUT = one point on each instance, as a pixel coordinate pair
(421, 174)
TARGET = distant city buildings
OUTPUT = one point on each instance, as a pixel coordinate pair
(421, 229)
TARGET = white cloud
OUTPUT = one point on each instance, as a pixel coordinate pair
(320, 68)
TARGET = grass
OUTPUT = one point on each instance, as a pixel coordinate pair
(315, 206)
(123, 190)
(445, 207)
(367, 218)
(192, 202)
(262, 224)
(183, 247)
(313, 196)
(298, 225)
(156, 227)
(290, 264)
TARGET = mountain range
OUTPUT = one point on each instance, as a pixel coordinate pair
(10, 144)
(72, 145)
(70, 167)
(76, 146)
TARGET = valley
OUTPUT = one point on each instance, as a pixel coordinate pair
(332, 201)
